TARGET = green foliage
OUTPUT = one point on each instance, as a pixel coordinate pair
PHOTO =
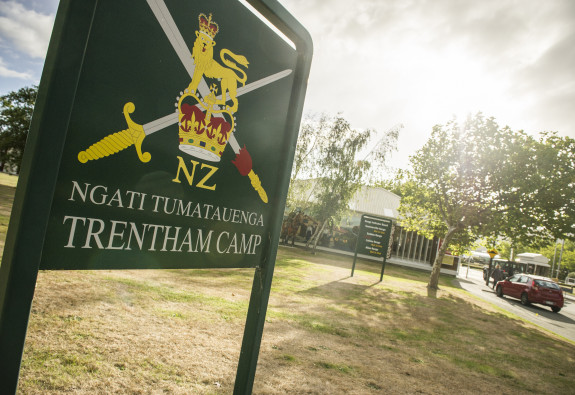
(340, 174)
(326, 156)
(551, 252)
(504, 248)
(567, 257)
(450, 183)
(453, 189)
(479, 180)
(452, 177)
(313, 134)
(554, 172)
(395, 184)
(378, 156)
(15, 116)
(537, 207)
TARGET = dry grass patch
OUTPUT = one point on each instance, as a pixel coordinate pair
(130, 332)
(153, 331)
(390, 337)
(7, 189)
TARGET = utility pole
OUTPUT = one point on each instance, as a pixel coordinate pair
(492, 253)
(560, 257)
(554, 255)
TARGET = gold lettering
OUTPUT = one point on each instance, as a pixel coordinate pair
(182, 165)
(190, 177)
(202, 183)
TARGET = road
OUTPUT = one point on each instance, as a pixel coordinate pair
(562, 323)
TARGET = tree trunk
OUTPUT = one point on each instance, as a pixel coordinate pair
(317, 235)
(432, 287)
(313, 236)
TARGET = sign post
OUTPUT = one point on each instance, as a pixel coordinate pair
(492, 254)
(165, 144)
(373, 239)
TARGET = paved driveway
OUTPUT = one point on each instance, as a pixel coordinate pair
(562, 323)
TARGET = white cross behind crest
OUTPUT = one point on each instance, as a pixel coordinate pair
(169, 27)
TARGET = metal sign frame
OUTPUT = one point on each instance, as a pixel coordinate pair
(35, 194)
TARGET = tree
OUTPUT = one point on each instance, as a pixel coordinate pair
(480, 180)
(337, 173)
(15, 116)
(378, 156)
(537, 205)
(453, 188)
(326, 172)
(550, 170)
(396, 184)
(314, 134)
(552, 251)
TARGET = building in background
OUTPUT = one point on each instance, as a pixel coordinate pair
(408, 247)
(535, 263)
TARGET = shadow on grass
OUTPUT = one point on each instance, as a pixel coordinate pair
(336, 289)
(362, 265)
(369, 267)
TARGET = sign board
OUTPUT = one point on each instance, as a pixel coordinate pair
(163, 137)
(373, 239)
(450, 262)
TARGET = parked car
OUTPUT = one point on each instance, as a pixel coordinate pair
(532, 289)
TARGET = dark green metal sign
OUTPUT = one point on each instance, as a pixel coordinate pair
(373, 239)
(163, 137)
(161, 170)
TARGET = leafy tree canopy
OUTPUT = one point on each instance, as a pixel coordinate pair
(327, 172)
(15, 116)
(565, 258)
(478, 179)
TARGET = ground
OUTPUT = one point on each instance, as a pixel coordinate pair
(180, 331)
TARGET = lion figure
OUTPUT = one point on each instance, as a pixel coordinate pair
(203, 55)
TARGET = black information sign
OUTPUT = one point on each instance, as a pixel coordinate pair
(373, 239)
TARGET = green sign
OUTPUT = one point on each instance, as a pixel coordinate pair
(175, 139)
(163, 137)
(373, 239)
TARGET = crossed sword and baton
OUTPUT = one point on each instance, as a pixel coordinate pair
(135, 133)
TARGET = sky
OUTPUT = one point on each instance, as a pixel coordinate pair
(382, 63)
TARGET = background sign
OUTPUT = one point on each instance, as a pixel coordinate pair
(163, 137)
(373, 239)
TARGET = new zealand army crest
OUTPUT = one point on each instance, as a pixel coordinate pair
(205, 114)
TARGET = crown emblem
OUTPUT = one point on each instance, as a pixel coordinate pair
(205, 123)
(203, 133)
(207, 26)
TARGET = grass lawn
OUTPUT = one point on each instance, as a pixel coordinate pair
(180, 332)
(7, 189)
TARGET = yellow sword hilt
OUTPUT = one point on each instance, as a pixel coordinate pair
(116, 142)
(257, 185)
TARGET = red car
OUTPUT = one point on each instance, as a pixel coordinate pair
(532, 289)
